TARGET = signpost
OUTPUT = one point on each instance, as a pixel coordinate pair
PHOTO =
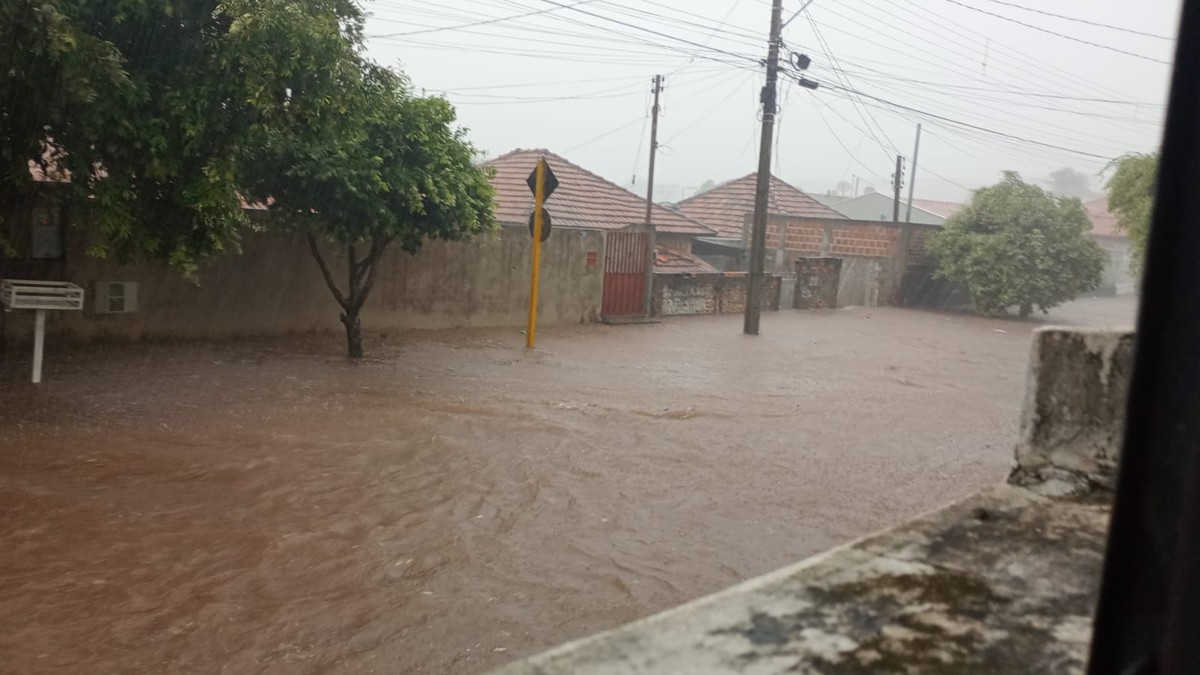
(542, 184)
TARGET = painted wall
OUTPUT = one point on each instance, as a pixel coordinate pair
(683, 294)
(274, 287)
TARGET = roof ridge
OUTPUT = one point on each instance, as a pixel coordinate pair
(716, 187)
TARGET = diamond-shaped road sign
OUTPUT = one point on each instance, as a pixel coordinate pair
(548, 188)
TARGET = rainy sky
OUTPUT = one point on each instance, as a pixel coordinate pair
(997, 84)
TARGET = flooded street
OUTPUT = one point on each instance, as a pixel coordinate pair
(454, 502)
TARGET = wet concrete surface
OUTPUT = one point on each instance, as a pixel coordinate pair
(454, 502)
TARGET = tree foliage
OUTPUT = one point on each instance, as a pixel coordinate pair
(145, 104)
(1131, 198)
(166, 113)
(1018, 245)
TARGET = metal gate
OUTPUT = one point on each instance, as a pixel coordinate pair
(625, 275)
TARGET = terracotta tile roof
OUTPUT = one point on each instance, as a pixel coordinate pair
(667, 261)
(943, 209)
(582, 199)
(1104, 223)
(725, 207)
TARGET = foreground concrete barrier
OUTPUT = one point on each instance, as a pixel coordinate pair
(1074, 415)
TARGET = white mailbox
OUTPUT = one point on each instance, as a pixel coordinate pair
(39, 296)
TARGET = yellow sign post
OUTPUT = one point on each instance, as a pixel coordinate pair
(539, 197)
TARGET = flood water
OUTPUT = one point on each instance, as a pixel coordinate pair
(454, 502)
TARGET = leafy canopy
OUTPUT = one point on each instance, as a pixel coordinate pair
(1018, 245)
(1131, 198)
(147, 105)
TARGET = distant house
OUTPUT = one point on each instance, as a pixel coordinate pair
(941, 208)
(878, 206)
(728, 207)
(584, 200)
(875, 254)
(1118, 276)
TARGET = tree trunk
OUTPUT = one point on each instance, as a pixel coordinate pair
(1026, 310)
(354, 346)
(361, 278)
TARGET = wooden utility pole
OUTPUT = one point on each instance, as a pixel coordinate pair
(897, 181)
(650, 233)
(758, 238)
(912, 179)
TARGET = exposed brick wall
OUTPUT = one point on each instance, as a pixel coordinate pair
(681, 294)
(876, 241)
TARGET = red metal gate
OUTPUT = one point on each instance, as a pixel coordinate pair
(625, 275)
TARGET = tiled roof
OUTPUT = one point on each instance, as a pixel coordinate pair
(943, 209)
(1104, 223)
(582, 199)
(725, 207)
(667, 261)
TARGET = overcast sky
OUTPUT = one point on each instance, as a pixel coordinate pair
(993, 94)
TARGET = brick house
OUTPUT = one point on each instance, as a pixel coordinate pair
(585, 200)
(875, 255)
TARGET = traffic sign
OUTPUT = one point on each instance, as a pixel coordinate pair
(550, 185)
(545, 224)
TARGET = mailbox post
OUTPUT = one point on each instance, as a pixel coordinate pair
(40, 296)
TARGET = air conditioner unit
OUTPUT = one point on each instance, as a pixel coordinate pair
(116, 297)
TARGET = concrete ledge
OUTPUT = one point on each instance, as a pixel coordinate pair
(1001, 582)
(1074, 414)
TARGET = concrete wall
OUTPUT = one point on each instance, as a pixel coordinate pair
(275, 287)
(682, 294)
(1073, 422)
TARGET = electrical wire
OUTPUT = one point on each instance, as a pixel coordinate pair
(484, 22)
(976, 127)
(1078, 20)
(1057, 34)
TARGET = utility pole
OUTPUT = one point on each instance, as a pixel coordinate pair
(912, 179)
(758, 239)
(650, 234)
(897, 181)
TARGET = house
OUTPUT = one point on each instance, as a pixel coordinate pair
(878, 206)
(585, 200)
(875, 255)
(728, 207)
(1118, 273)
(941, 208)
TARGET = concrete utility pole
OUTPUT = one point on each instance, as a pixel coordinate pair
(912, 178)
(650, 234)
(897, 181)
(758, 238)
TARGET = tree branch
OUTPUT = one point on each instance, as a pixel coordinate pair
(316, 252)
(371, 262)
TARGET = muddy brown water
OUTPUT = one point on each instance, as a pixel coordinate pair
(454, 502)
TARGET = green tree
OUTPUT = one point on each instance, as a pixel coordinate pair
(364, 166)
(147, 104)
(1018, 245)
(1131, 199)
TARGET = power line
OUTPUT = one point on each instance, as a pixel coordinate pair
(1076, 19)
(975, 127)
(486, 21)
(1057, 34)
